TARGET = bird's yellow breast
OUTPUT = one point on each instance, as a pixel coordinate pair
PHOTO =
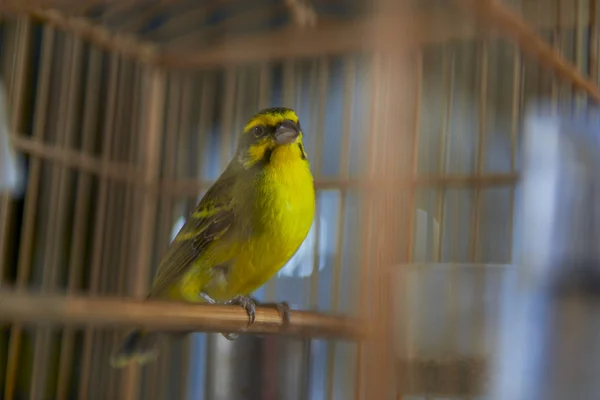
(278, 217)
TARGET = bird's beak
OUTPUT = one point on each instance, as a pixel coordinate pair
(287, 132)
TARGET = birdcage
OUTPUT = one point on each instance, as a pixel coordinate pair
(127, 111)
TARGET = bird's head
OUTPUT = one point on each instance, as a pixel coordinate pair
(273, 136)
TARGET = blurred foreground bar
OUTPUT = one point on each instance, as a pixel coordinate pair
(32, 308)
(550, 350)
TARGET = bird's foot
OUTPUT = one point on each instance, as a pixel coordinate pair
(249, 304)
(284, 311)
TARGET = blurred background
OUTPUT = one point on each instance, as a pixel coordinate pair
(121, 114)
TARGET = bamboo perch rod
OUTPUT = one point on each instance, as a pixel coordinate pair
(33, 308)
(513, 26)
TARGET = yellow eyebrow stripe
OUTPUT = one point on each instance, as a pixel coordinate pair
(271, 119)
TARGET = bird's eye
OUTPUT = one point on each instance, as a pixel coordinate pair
(258, 131)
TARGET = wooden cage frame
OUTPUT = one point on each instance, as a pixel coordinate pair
(334, 37)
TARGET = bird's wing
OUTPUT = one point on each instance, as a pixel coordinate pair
(210, 221)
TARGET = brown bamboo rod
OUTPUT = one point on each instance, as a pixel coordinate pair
(557, 44)
(47, 309)
(511, 25)
(517, 105)
(15, 95)
(206, 111)
(113, 278)
(184, 131)
(288, 43)
(175, 102)
(117, 171)
(83, 199)
(414, 167)
(319, 133)
(227, 112)
(366, 248)
(239, 116)
(58, 206)
(153, 115)
(100, 36)
(327, 39)
(221, 30)
(129, 230)
(449, 67)
(124, 172)
(30, 209)
(99, 224)
(593, 45)
(344, 166)
(480, 156)
(190, 16)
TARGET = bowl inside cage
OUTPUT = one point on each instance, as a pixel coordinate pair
(446, 325)
(257, 367)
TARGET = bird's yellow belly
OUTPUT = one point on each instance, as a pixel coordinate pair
(239, 267)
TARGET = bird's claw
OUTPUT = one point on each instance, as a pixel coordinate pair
(283, 308)
(249, 304)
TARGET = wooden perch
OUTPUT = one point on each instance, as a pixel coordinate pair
(32, 308)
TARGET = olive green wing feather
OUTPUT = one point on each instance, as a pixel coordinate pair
(210, 221)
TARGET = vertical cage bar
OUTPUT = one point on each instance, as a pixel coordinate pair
(517, 104)
(184, 131)
(81, 224)
(30, 209)
(580, 54)
(593, 44)
(129, 230)
(205, 119)
(16, 92)
(348, 106)
(361, 370)
(99, 219)
(113, 240)
(153, 114)
(61, 187)
(239, 109)
(227, 113)
(448, 79)
(415, 151)
(480, 146)
(264, 86)
(557, 44)
(385, 214)
(159, 369)
(319, 132)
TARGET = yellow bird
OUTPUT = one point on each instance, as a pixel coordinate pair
(243, 231)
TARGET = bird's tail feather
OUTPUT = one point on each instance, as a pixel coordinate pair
(138, 346)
